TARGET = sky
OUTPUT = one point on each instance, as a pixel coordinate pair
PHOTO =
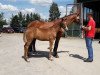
(9, 7)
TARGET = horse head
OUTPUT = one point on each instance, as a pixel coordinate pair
(67, 20)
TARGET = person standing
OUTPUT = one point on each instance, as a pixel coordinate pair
(89, 36)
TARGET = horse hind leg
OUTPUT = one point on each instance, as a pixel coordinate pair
(26, 46)
(50, 53)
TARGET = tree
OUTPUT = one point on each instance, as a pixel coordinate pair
(24, 21)
(21, 20)
(36, 16)
(32, 17)
(27, 19)
(54, 12)
(20, 16)
(15, 22)
(2, 21)
(1, 16)
(74, 9)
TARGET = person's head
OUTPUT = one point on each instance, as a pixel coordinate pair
(89, 15)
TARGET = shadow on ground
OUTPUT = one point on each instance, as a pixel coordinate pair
(77, 56)
(73, 55)
(39, 54)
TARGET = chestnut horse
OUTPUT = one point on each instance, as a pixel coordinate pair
(98, 31)
(40, 24)
(48, 34)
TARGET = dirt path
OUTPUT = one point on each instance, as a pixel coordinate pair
(71, 52)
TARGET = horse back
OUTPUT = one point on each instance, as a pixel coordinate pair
(40, 24)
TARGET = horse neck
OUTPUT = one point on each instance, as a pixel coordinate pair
(56, 27)
(69, 21)
(57, 21)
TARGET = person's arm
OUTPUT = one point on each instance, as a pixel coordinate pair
(86, 28)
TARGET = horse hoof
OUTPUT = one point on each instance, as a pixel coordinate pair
(56, 56)
(26, 59)
(50, 59)
(23, 57)
(48, 48)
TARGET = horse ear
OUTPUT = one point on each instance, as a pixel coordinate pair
(64, 18)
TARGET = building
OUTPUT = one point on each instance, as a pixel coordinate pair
(6, 26)
(90, 6)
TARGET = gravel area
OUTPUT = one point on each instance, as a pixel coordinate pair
(71, 53)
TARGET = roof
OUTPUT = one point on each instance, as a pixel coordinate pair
(86, 1)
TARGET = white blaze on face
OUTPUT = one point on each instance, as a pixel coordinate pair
(65, 23)
(78, 17)
(66, 28)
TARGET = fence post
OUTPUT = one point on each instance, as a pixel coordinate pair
(82, 34)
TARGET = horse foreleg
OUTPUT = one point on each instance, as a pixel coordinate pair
(32, 48)
(55, 47)
(50, 53)
(33, 44)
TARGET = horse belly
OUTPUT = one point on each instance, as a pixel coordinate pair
(42, 36)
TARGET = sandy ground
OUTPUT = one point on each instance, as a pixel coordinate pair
(71, 52)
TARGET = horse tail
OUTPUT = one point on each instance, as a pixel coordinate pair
(24, 37)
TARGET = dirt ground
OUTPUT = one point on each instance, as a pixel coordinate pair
(71, 53)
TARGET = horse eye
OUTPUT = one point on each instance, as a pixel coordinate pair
(66, 19)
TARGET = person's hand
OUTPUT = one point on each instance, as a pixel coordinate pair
(83, 27)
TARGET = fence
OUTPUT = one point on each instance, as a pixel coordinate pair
(73, 31)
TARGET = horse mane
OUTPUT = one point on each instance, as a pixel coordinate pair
(56, 25)
(61, 24)
(70, 15)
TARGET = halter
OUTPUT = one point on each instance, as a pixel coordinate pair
(63, 26)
